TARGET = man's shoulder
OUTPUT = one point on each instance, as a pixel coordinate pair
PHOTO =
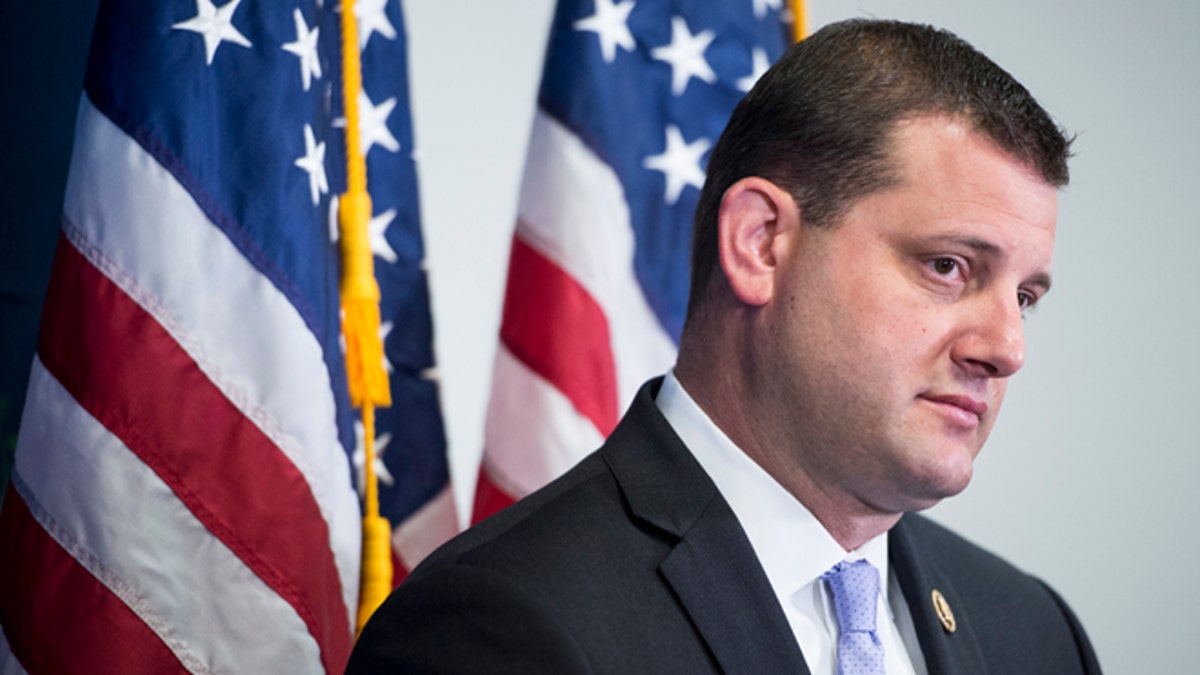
(493, 598)
(946, 548)
(563, 578)
(940, 548)
(942, 545)
(634, 495)
(585, 494)
(987, 593)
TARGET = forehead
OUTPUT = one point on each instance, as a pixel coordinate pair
(952, 172)
(951, 183)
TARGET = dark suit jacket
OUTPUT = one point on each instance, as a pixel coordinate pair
(633, 563)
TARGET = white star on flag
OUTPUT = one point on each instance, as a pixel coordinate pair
(679, 163)
(376, 233)
(372, 18)
(313, 162)
(686, 55)
(214, 25)
(335, 230)
(761, 64)
(360, 457)
(761, 7)
(372, 124)
(385, 329)
(342, 330)
(305, 47)
(610, 24)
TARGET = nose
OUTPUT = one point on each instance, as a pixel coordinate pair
(994, 343)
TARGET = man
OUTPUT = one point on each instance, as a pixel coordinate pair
(878, 215)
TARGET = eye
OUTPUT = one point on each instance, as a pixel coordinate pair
(944, 266)
(1025, 300)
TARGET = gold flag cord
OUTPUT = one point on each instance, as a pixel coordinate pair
(367, 380)
(799, 20)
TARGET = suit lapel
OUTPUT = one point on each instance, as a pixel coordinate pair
(712, 569)
(946, 652)
(720, 583)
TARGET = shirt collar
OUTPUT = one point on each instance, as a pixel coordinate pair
(791, 544)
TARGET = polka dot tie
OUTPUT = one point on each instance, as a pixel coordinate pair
(855, 587)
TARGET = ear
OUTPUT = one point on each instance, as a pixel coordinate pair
(752, 224)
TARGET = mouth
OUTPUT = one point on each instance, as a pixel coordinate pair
(964, 410)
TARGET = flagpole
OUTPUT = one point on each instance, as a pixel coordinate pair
(799, 20)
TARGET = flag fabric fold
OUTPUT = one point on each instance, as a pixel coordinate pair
(633, 95)
(183, 496)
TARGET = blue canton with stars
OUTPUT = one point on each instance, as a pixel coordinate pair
(649, 85)
(242, 104)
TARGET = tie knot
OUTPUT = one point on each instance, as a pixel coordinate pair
(855, 586)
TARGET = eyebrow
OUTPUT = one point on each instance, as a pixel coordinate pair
(1041, 279)
(983, 246)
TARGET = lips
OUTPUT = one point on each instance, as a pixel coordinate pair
(960, 405)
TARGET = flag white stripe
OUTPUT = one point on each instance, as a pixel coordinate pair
(69, 467)
(9, 665)
(136, 223)
(573, 210)
(429, 527)
(533, 432)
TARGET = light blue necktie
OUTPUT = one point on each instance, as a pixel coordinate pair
(855, 588)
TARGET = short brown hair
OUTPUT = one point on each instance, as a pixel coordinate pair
(817, 124)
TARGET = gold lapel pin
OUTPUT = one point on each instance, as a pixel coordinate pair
(943, 611)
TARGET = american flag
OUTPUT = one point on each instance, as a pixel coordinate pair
(183, 496)
(633, 95)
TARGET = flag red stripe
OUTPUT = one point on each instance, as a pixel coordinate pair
(156, 399)
(58, 618)
(554, 326)
(399, 571)
(489, 498)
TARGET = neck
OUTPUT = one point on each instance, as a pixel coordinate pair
(850, 521)
(719, 387)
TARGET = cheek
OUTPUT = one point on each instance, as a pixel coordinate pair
(996, 389)
(999, 387)
(903, 332)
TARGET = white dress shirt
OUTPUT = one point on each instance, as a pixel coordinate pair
(792, 546)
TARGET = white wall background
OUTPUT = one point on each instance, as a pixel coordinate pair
(1090, 478)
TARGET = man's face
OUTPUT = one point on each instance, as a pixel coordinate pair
(891, 334)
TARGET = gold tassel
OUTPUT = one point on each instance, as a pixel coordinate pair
(360, 305)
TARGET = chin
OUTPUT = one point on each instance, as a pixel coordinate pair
(931, 484)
